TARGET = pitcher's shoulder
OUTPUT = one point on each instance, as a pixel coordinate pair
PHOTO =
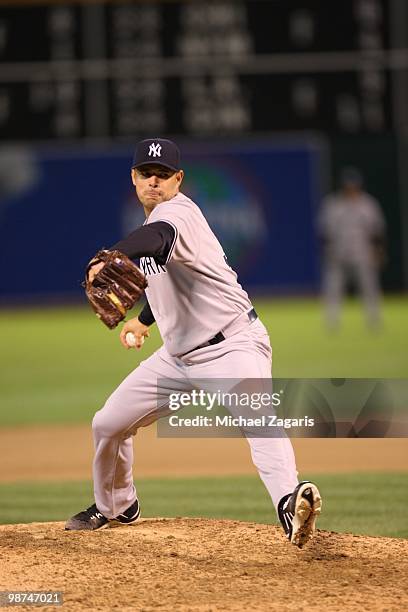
(179, 207)
(183, 201)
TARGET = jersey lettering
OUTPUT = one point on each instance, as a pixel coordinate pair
(150, 266)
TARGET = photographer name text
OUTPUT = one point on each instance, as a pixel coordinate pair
(239, 421)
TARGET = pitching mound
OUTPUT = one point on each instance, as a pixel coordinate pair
(197, 564)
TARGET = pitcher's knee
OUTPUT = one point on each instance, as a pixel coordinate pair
(104, 425)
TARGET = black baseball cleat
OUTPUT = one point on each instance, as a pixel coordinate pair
(298, 512)
(91, 519)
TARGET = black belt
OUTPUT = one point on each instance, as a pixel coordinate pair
(252, 316)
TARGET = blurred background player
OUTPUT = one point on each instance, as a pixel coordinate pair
(352, 228)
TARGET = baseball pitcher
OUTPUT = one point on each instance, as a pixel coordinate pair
(209, 328)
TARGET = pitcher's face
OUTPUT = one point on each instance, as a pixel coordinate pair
(155, 184)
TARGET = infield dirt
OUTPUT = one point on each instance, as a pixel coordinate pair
(203, 565)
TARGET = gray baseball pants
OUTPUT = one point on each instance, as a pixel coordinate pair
(364, 274)
(143, 397)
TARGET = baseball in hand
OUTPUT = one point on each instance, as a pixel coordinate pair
(131, 340)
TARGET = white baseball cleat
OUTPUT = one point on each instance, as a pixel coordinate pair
(298, 512)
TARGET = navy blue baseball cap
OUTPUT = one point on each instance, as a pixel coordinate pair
(157, 151)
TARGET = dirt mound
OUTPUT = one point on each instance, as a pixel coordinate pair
(196, 564)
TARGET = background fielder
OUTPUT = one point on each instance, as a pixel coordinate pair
(352, 227)
(210, 331)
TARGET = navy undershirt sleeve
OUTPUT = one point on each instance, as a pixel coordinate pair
(146, 316)
(152, 240)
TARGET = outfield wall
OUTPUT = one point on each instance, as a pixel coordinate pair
(59, 207)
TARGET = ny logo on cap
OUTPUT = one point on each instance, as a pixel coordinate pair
(155, 150)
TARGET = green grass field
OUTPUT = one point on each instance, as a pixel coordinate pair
(378, 507)
(58, 365)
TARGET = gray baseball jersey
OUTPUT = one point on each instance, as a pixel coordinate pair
(196, 293)
(350, 226)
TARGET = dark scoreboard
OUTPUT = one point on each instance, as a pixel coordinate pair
(115, 70)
